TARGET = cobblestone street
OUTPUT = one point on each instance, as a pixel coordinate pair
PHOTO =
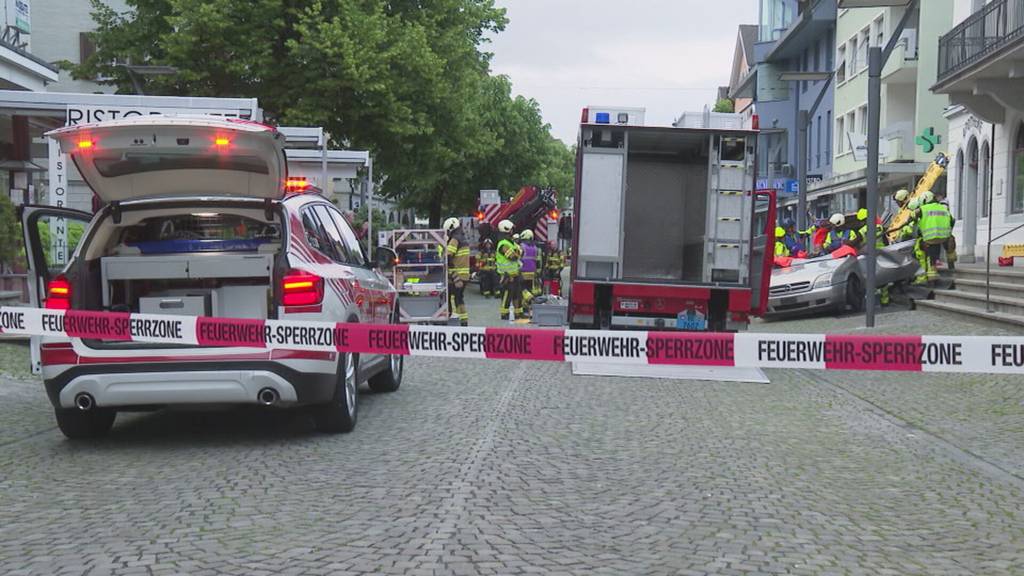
(479, 467)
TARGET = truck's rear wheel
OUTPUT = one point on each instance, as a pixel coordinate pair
(339, 415)
(93, 423)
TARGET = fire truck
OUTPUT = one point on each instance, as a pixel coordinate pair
(669, 232)
(532, 208)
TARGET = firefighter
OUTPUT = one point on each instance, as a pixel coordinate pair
(457, 251)
(780, 242)
(837, 237)
(911, 230)
(935, 227)
(486, 269)
(793, 239)
(506, 257)
(901, 197)
(553, 265)
(862, 215)
(530, 263)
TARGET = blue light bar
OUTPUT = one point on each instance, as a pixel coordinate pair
(603, 118)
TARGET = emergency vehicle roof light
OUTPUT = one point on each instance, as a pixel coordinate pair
(296, 184)
(585, 116)
(602, 118)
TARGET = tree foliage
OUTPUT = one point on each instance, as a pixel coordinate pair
(724, 105)
(407, 79)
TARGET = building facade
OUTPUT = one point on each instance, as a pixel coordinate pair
(980, 65)
(913, 123)
(62, 34)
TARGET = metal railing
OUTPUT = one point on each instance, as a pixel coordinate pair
(997, 24)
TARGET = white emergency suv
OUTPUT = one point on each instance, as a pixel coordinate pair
(200, 218)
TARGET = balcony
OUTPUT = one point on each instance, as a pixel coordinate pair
(981, 60)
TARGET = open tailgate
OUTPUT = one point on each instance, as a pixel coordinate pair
(164, 156)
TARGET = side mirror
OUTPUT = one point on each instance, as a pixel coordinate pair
(386, 258)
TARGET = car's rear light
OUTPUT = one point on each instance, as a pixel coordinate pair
(221, 142)
(58, 294)
(86, 144)
(299, 288)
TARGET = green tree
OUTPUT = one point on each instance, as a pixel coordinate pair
(10, 232)
(406, 79)
(724, 105)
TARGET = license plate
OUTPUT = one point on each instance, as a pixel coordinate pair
(788, 301)
(691, 320)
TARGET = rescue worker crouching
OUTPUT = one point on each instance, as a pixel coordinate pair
(457, 251)
(553, 265)
(506, 257)
(862, 216)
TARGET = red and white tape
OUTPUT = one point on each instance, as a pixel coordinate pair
(979, 354)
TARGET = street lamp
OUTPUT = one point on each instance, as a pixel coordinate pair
(135, 71)
(877, 57)
(803, 120)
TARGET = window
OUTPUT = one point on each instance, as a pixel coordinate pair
(841, 66)
(1017, 201)
(316, 235)
(86, 47)
(862, 120)
(817, 149)
(851, 127)
(865, 43)
(840, 134)
(986, 178)
(854, 54)
(828, 50)
(348, 237)
(817, 56)
(828, 139)
(879, 30)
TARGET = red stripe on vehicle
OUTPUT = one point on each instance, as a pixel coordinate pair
(901, 353)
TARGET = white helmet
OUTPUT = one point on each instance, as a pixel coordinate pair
(526, 235)
(902, 195)
(837, 219)
(506, 226)
(927, 197)
(451, 224)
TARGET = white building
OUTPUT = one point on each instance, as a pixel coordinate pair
(981, 68)
(61, 32)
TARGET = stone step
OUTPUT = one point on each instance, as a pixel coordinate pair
(1005, 289)
(1001, 304)
(1003, 275)
(962, 311)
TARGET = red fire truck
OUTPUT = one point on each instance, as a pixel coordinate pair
(668, 229)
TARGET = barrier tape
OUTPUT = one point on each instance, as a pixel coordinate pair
(979, 354)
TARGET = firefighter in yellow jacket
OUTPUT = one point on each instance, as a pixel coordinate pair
(457, 251)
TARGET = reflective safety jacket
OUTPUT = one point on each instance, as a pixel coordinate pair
(529, 258)
(458, 259)
(485, 261)
(554, 261)
(507, 257)
(879, 235)
(936, 224)
(781, 249)
(837, 238)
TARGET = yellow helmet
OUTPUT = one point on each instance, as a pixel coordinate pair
(927, 197)
(902, 195)
(780, 232)
(862, 214)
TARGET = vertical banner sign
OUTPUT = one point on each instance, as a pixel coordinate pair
(58, 197)
(19, 15)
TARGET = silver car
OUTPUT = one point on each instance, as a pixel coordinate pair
(827, 284)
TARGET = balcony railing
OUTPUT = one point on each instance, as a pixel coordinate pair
(997, 24)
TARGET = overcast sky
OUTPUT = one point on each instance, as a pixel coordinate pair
(664, 55)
